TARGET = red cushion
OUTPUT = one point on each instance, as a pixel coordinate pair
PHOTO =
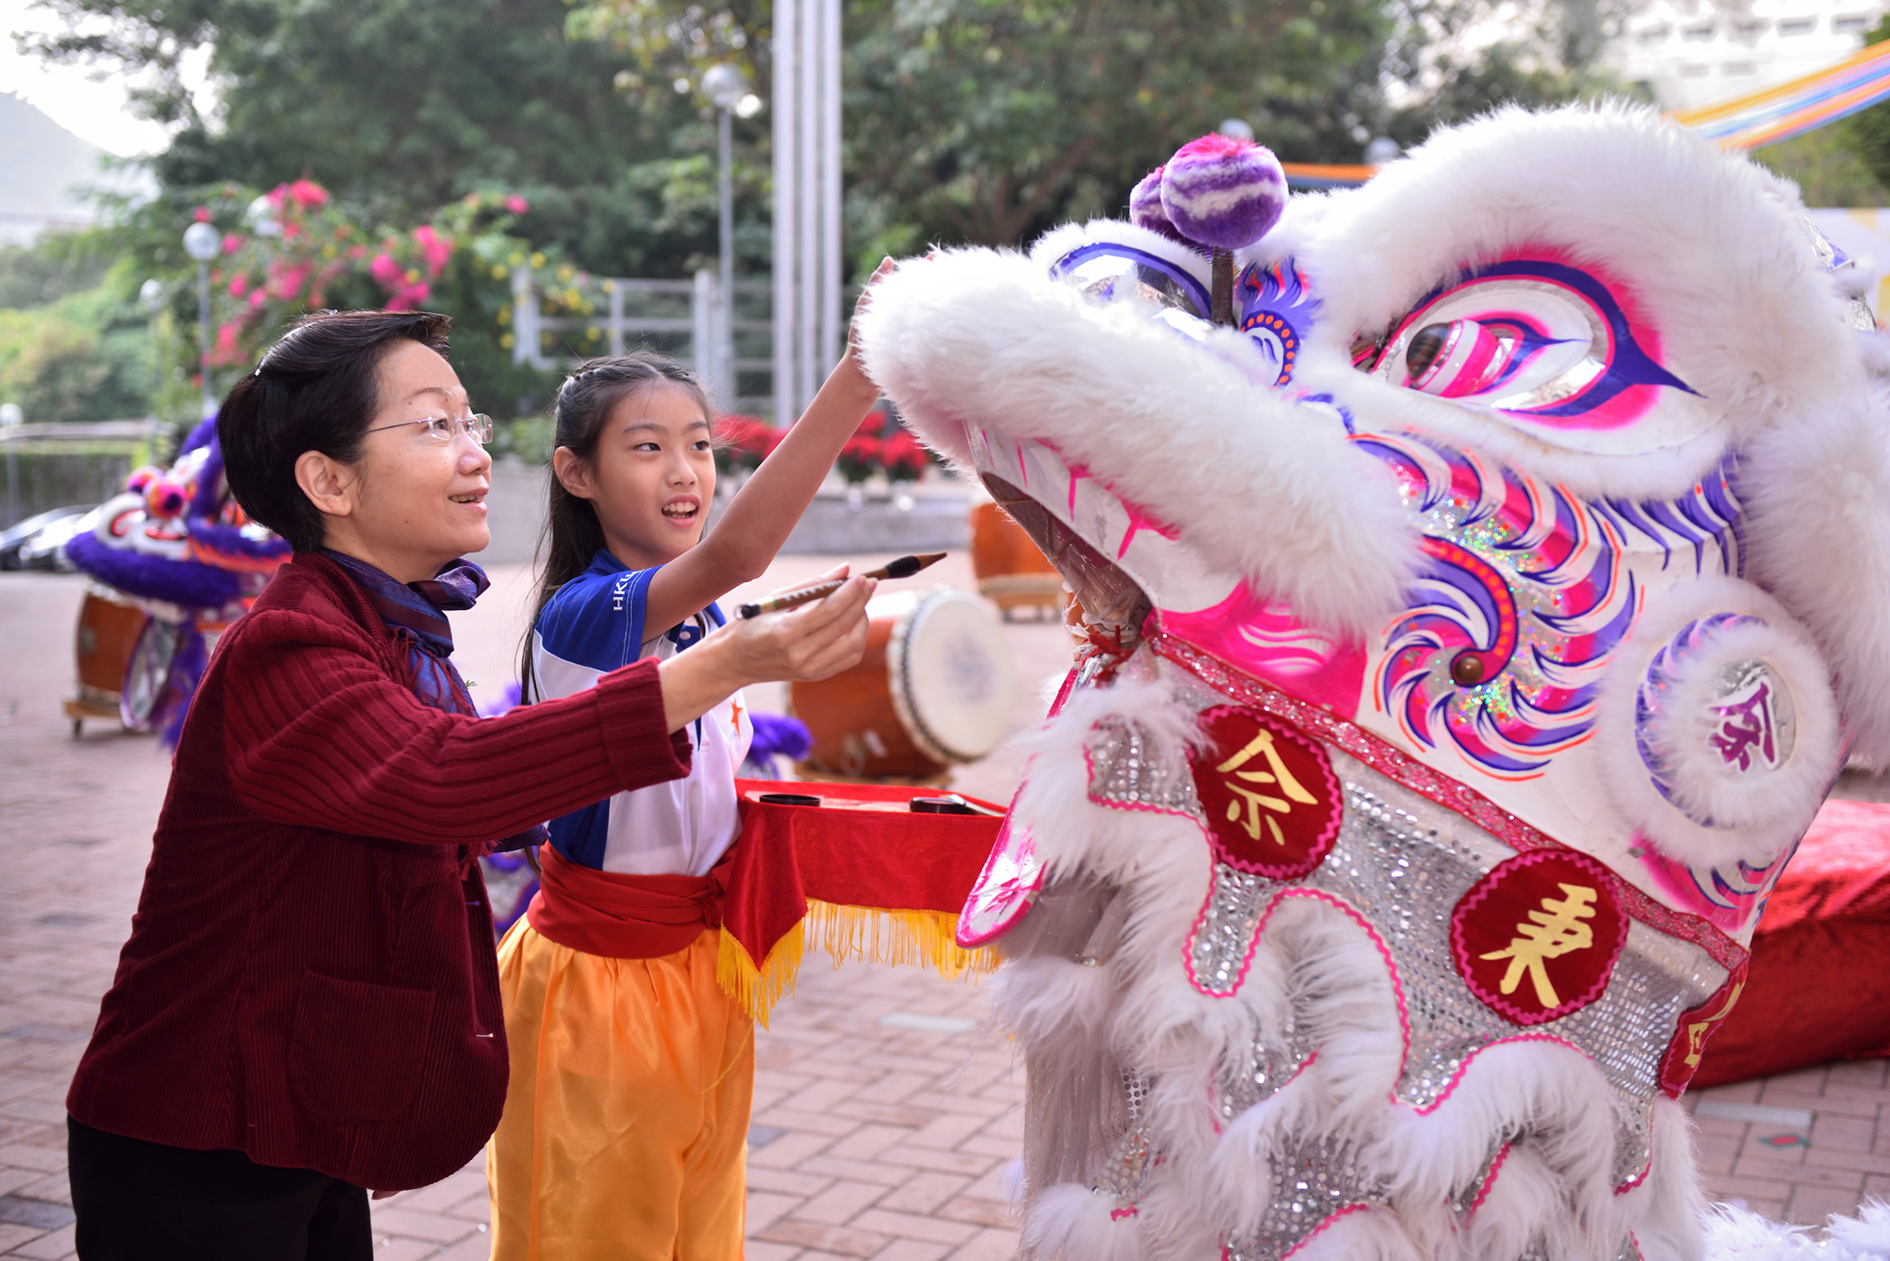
(1819, 988)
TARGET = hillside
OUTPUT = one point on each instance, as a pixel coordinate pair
(41, 163)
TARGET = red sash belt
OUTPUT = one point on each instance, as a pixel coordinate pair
(618, 916)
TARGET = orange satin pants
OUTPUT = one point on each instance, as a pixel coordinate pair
(626, 1122)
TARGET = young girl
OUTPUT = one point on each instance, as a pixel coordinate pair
(627, 1115)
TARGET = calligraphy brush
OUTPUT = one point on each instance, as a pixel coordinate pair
(904, 567)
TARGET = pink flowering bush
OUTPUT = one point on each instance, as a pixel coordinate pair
(310, 253)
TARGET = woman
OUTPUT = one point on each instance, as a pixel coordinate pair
(308, 1004)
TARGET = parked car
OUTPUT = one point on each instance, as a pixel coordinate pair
(47, 549)
(16, 536)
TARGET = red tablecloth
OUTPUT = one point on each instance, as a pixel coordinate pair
(1819, 987)
(874, 883)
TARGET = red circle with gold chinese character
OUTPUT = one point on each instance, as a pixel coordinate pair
(1536, 939)
(1272, 802)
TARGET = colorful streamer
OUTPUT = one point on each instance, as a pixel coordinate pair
(1791, 109)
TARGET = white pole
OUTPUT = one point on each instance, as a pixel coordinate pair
(807, 255)
(725, 288)
(702, 334)
(786, 95)
(831, 268)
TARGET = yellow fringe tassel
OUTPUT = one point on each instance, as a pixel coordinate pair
(866, 933)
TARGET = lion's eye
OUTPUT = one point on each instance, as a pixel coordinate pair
(1455, 359)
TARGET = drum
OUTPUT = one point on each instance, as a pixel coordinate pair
(936, 686)
(108, 632)
(1012, 573)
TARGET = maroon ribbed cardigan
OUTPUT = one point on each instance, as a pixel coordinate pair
(310, 977)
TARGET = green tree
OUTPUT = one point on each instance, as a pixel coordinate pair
(401, 106)
(1867, 132)
(1827, 168)
(86, 356)
(989, 120)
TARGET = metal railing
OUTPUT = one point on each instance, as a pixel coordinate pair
(685, 319)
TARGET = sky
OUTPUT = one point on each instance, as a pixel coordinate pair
(69, 95)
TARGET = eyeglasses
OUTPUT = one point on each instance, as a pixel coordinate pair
(446, 428)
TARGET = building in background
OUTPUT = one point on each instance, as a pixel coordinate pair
(1693, 53)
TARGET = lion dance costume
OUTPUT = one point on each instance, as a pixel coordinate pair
(1486, 572)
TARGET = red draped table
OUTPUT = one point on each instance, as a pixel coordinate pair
(869, 879)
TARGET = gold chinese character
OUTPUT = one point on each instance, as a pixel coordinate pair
(1279, 776)
(1557, 930)
(1697, 1031)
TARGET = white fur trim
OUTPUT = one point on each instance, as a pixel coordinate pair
(1736, 1235)
(1713, 244)
(1073, 1223)
(1665, 1211)
(1757, 813)
(1818, 492)
(983, 338)
(1359, 1235)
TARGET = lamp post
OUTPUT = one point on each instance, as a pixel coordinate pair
(151, 298)
(727, 89)
(202, 242)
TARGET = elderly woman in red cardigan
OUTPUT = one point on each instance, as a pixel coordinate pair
(308, 1005)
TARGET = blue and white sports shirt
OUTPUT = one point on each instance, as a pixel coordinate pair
(593, 625)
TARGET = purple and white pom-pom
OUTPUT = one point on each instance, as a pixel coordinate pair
(1145, 208)
(1223, 192)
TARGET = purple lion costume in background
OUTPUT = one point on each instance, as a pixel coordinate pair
(177, 545)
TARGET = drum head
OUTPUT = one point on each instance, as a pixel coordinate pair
(951, 677)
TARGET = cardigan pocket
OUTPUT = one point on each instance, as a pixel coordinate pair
(356, 1050)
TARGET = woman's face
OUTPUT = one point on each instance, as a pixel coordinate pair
(415, 497)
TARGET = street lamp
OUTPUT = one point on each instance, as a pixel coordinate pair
(202, 242)
(151, 298)
(1381, 150)
(727, 89)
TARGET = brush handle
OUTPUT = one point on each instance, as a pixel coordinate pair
(792, 599)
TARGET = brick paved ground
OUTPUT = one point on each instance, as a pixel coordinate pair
(886, 1106)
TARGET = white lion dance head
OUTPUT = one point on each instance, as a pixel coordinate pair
(1487, 573)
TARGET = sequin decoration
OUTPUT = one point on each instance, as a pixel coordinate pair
(1263, 1073)
(1313, 1181)
(1227, 930)
(1123, 773)
(1124, 1174)
(1402, 863)
(1214, 680)
(1465, 1201)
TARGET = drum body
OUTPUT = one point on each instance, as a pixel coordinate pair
(107, 634)
(935, 687)
(1012, 573)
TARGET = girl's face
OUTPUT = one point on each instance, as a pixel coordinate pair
(651, 476)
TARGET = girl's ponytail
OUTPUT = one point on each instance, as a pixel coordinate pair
(572, 533)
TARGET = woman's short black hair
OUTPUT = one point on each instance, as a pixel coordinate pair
(315, 390)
